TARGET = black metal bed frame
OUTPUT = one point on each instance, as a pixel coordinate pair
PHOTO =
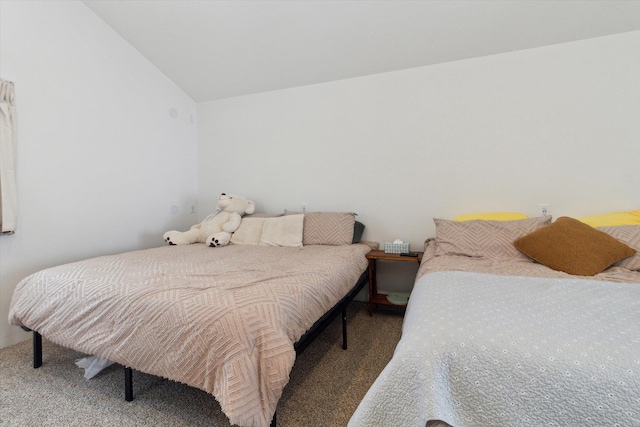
(300, 345)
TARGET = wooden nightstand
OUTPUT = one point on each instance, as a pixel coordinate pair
(373, 256)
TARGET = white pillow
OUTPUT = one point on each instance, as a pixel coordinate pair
(283, 231)
(278, 231)
(249, 232)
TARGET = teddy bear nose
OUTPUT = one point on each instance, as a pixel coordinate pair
(223, 194)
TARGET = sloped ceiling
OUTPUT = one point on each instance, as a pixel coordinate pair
(221, 49)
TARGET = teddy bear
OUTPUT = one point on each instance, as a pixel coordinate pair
(216, 229)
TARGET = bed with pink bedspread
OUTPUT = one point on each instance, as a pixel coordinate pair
(224, 320)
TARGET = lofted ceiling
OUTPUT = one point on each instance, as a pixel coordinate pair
(220, 49)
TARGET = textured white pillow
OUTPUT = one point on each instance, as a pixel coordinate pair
(283, 231)
(278, 231)
(249, 232)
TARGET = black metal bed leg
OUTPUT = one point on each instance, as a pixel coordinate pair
(37, 350)
(273, 420)
(128, 384)
(344, 328)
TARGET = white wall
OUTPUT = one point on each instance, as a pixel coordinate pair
(558, 125)
(100, 160)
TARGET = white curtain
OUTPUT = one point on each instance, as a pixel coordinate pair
(8, 198)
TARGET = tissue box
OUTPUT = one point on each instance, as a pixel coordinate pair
(396, 248)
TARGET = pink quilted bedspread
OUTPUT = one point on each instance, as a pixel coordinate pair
(223, 320)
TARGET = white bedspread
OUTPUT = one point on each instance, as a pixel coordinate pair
(512, 351)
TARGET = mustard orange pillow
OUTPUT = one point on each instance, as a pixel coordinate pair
(573, 247)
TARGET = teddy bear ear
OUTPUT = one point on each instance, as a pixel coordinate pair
(251, 208)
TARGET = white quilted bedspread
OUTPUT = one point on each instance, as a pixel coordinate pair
(487, 350)
(224, 320)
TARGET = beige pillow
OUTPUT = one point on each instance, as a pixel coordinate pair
(480, 238)
(629, 235)
(249, 232)
(275, 231)
(283, 231)
(573, 247)
(327, 228)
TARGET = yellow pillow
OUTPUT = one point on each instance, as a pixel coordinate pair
(492, 216)
(612, 219)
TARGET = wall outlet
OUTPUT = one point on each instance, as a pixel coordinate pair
(193, 208)
(303, 206)
(545, 209)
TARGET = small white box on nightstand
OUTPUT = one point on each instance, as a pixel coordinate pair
(396, 248)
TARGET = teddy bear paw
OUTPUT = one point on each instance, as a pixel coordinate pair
(214, 243)
(168, 240)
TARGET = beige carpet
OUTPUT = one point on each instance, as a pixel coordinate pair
(326, 385)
